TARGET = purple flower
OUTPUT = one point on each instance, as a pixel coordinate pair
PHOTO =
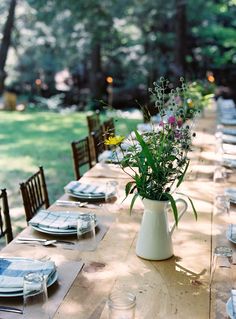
(171, 120)
(161, 123)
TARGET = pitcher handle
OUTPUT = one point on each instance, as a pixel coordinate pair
(182, 212)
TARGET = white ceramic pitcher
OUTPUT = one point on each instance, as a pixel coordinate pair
(154, 238)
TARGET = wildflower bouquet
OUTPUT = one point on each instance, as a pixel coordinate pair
(157, 158)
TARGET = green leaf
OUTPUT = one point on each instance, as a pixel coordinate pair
(193, 207)
(128, 188)
(174, 207)
(191, 202)
(146, 152)
(132, 202)
(182, 176)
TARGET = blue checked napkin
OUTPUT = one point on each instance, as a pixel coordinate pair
(233, 300)
(60, 220)
(12, 270)
(76, 187)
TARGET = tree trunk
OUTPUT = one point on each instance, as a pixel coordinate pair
(96, 76)
(180, 32)
(6, 41)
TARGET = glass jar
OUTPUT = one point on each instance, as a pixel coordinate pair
(121, 305)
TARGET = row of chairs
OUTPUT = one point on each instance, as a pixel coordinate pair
(34, 190)
(86, 150)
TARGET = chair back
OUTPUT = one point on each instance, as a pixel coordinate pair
(98, 142)
(93, 121)
(5, 221)
(81, 156)
(34, 193)
(108, 129)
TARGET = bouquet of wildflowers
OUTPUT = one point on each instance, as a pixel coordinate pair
(157, 159)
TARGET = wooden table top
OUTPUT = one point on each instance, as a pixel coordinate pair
(174, 288)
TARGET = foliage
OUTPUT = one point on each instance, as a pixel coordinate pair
(158, 158)
(137, 38)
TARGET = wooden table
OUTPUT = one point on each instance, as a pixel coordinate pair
(174, 288)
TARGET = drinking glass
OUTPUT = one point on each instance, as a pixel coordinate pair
(35, 296)
(86, 233)
(219, 174)
(121, 305)
(222, 258)
(222, 204)
(111, 191)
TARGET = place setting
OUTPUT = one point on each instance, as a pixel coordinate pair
(29, 286)
(70, 230)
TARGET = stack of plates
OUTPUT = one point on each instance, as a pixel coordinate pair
(60, 223)
(229, 139)
(228, 162)
(231, 192)
(87, 191)
(13, 269)
(231, 233)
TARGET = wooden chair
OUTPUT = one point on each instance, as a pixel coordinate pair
(98, 142)
(93, 121)
(34, 193)
(82, 158)
(5, 221)
(109, 127)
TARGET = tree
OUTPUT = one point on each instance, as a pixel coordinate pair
(6, 41)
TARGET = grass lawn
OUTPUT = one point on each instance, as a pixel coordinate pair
(30, 139)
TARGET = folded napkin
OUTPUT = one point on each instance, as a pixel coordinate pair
(12, 270)
(78, 188)
(228, 121)
(60, 220)
(229, 131)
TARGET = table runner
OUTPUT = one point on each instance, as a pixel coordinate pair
(67, 272)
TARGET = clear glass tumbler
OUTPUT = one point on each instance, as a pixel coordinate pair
(121, 305)
(222, 204)
(35, 296)
(86, 233)
(111, 191)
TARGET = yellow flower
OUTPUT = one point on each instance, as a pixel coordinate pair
(190, 102)
(114, 140)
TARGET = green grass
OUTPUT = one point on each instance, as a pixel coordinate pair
(30, 139)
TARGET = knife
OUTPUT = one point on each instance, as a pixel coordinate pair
(70, 203)
(11, 309)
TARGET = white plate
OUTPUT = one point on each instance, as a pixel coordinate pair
(8, 292)
(229, 139)
(55, 231)
(229, 309)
